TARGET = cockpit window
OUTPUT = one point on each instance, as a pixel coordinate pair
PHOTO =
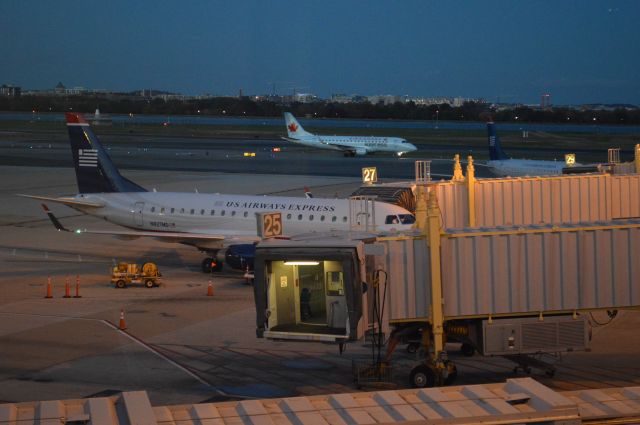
(400, 219)
(392, 219)
(407, 218)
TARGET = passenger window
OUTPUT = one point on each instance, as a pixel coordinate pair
(153, 209)
(311, 217)
(162, 210)
(246, 213)
(321, 218)
(193, 211)
(181, 210)
(344, 219)
(213, 212)
(334, 218)
(201, 212)
(288, 216)
(233, 213)
(299, 216)
(223, 212)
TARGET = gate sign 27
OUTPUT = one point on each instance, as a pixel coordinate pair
(271, 225)
(369, 175)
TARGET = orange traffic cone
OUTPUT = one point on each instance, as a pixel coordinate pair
(122, 325)
(49, 295)
(67, 289)
(77, 295)
(210, 290)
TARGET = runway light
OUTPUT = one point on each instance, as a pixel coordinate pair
(301, 263)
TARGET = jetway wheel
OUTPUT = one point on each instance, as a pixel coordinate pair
(467, 349)
(422, 376)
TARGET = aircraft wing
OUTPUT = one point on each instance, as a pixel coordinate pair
(65, 200)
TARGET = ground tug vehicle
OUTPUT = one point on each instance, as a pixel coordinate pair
(125, 274)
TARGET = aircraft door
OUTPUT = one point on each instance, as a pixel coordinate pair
(138, 208)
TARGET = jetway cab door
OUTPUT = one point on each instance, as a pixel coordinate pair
(138, 208)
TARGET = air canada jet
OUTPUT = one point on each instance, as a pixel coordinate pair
(501, 165)
(349, 145)
(209, 222)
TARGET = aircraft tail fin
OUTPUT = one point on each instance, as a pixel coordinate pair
(495, 149)
(95, 172)
(294, 129)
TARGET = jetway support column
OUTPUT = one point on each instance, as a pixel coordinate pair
(471, 191)
(433, 239)
(637, 158)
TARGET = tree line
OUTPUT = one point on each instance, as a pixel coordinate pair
(248, 106)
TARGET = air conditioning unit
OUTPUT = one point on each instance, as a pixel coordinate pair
(531, 335)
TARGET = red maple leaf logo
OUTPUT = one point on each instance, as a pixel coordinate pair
(292, 127)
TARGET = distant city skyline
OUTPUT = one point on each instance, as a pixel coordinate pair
(513, 52)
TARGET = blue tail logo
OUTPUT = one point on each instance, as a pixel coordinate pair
(95, 172)
(495, 150)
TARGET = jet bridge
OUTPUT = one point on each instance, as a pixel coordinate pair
(511, 290)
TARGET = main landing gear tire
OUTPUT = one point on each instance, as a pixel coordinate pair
(209, 265)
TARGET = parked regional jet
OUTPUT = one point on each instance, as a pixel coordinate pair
(350, 145)
(209, 222)
(501, 165)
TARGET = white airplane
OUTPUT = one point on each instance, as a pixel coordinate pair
(350, 145)
(209, 222)
(501, 165)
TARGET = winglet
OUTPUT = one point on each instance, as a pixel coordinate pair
(54, 219)
(73, 118)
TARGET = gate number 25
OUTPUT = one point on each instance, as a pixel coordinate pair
(271, 225)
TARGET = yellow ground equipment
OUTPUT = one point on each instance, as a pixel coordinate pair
(125, 274)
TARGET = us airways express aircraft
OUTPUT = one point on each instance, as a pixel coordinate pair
(500, 164)
(209, 222)
(350, 145)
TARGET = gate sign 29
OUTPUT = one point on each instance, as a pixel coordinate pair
(369, 175)
(271, 225)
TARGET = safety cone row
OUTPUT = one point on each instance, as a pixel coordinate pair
(210, 290)
(122, 325)
(67, 288)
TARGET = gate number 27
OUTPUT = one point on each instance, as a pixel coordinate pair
(369, 175)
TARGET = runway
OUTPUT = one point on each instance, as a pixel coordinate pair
(227, 156)
(63, 348)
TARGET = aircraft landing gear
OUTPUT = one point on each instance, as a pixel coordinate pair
(211, 265)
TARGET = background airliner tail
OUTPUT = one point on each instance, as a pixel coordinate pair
(495, 150)
(294, 129)
(95, 172)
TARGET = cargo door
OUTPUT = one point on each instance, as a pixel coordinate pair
(138, 208)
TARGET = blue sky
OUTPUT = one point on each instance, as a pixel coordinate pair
(512, 51)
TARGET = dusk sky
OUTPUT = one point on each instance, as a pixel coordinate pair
(510, 51)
